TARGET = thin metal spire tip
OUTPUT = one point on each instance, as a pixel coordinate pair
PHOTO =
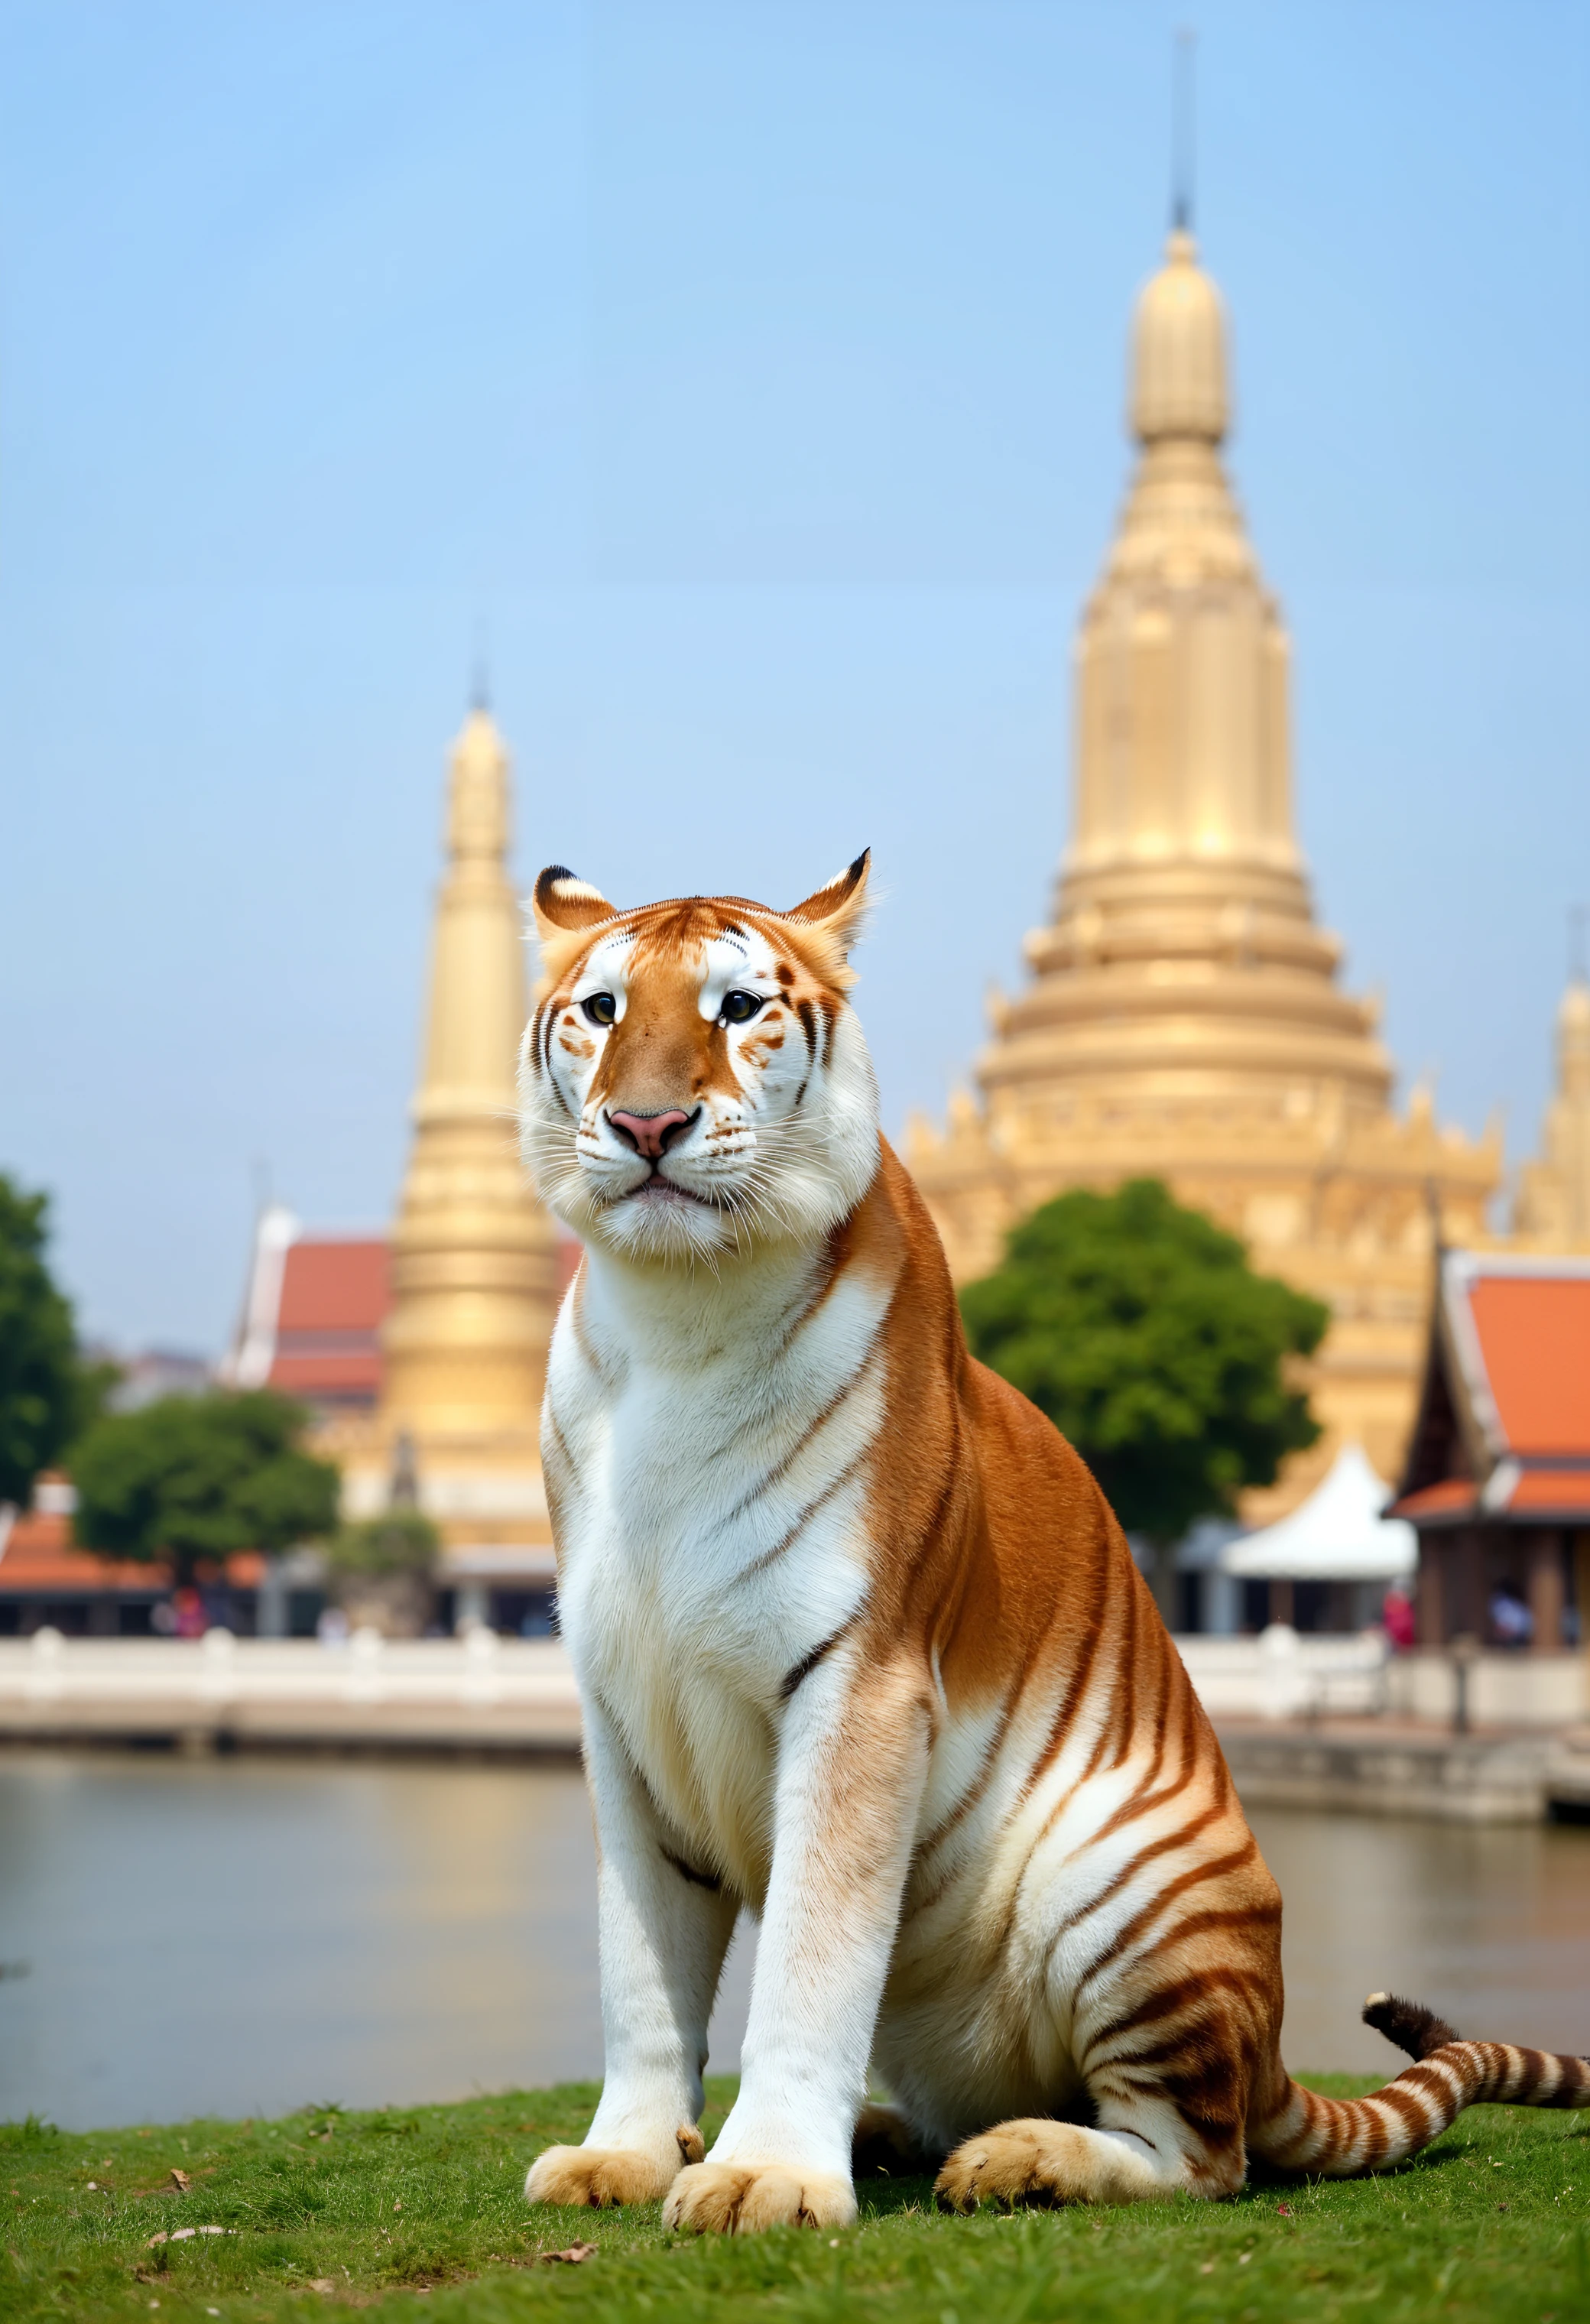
(1183, 129)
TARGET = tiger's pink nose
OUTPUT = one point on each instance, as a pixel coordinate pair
(648, 1133)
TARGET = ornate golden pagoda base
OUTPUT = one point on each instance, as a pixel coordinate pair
(1343, 1209)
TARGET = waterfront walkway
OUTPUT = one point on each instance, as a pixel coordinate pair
(1305, 1722)
(479, 1693)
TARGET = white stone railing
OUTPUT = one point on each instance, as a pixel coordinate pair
(1504, 1690)
(219, 1670)
(529, 1685)
(1285, 1674)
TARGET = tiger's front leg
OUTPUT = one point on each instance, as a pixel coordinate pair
(664, 1926)
(852, 1766)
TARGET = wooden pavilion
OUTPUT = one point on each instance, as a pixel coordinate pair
(1497, 1481)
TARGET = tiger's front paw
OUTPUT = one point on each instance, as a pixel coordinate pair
(738, 2199)
(601, 2175)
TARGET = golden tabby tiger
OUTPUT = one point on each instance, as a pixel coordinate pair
(862, 1648)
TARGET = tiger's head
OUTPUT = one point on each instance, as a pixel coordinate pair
(694, 1081)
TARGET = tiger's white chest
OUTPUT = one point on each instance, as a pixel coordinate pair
(713, 1522)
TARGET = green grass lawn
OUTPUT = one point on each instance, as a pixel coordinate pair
(421, 2214)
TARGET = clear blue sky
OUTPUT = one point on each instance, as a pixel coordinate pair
(755, 371)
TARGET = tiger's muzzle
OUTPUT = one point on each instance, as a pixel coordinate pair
(652, 1134)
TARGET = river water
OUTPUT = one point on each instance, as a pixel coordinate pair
(245, 1936)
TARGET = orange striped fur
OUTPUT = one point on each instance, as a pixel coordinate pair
(862, 1648)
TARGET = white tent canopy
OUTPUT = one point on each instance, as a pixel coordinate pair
(1336, 1535)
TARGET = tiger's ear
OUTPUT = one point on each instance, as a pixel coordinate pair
(565, 906)
(837, 910)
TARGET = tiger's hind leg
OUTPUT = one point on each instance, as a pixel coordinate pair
(1167, 2118)
(1042, 2162)
(884, 2142)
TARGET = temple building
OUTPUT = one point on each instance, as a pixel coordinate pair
(312, 1318)
(1185, 1018)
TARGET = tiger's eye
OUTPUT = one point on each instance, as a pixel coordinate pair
(600, 1007)
(739, 1007)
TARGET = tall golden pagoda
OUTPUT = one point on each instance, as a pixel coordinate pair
(473, 1256)
(1184, 1020)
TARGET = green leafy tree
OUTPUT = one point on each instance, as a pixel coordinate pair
(45, 1393)
(1142, 1333)
(195, 1477)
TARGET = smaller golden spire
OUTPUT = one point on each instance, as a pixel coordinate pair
(1179, 373)
(1573, 1017)
(1573, 1041)
(1553, 1205)
(474, 1268)
(478, 792)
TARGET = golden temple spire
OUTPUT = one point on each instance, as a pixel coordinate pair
(473, 1255)
(1183, 1017)
(1183, 747)
(1183, 967)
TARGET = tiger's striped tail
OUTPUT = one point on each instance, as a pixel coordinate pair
(1338, 2138)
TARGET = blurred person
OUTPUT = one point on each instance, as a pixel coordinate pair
(190, 1620)
(1396, 1618)
(1512, 1622)
(214, 1595)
